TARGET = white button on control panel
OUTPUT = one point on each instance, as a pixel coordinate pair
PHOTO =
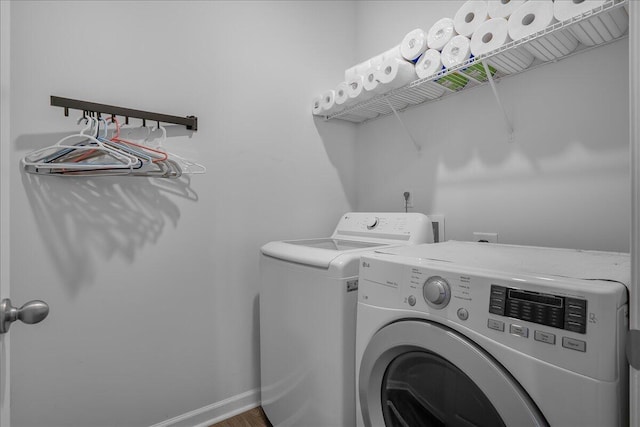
(574, 344)
(521, 331)
(497, 325)
(547, 337)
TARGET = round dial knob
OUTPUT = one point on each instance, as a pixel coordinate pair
(372, 222)
(437, 292)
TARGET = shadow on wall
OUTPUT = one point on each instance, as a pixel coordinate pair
(338, 138)
(83, 221)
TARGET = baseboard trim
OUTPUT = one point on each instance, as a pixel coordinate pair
(216, 412)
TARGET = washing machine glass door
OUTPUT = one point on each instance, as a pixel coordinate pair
(418, 373)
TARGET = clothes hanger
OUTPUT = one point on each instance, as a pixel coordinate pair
(156, 155)
(89, 154)
(187, 166)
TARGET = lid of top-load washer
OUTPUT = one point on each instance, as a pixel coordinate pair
(571, 263)
(315, 252)
(355, 232)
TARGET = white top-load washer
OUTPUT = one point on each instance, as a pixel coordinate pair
(308, 314)
(465, 333)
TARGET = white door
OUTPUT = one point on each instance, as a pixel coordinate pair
(634, 132)
(4, 205)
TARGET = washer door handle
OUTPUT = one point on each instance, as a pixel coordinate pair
(32, 312)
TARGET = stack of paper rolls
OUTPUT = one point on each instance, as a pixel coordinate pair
(430, 63)
(457, 52)
(596, 30)
(534, 16)
(493, 34)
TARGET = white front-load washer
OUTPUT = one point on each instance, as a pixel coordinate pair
(477, 334)
(308, 317)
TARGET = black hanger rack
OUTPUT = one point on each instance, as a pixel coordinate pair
(191, 122)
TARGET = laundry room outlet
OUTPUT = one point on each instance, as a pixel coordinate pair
(485, 237)
(407, 198)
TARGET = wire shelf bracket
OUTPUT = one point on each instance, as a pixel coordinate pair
(495, 94)
(191, 122)
(403, 125)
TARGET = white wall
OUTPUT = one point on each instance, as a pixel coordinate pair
(564, 182)
(153, 285)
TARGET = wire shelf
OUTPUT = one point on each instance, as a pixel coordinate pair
(426, 90)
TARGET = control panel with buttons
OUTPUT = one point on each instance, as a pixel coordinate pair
(545, 309)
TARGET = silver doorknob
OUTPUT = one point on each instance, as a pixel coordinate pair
(32, 312)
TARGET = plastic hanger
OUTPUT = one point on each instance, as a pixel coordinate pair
(187, 166)
(56, 157)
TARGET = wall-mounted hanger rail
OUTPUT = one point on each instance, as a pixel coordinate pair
(191, 122)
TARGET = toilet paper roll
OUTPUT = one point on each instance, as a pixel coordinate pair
(470, 16)
(396, 73)
(358, 69)
(534, 16)
(502, 8)
(370, 82)
(428, 64)
(316, 106)
(440, 34)
(341, 94)
(599, 29)
(355, 90)
(493, 34)
(328, 103)
(456, 51)
(413, 45)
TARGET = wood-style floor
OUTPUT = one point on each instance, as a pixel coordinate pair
(252, 418)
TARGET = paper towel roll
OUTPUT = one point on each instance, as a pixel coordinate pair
(470, 16)
(599, 29)
(428, 64)
(440, 34)
(396, 73)
(356, 70)
(316, 106)
(534, 16)
(502, 8)
(413, 45)
(456, 51)
(493, 34)
(341, 94)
